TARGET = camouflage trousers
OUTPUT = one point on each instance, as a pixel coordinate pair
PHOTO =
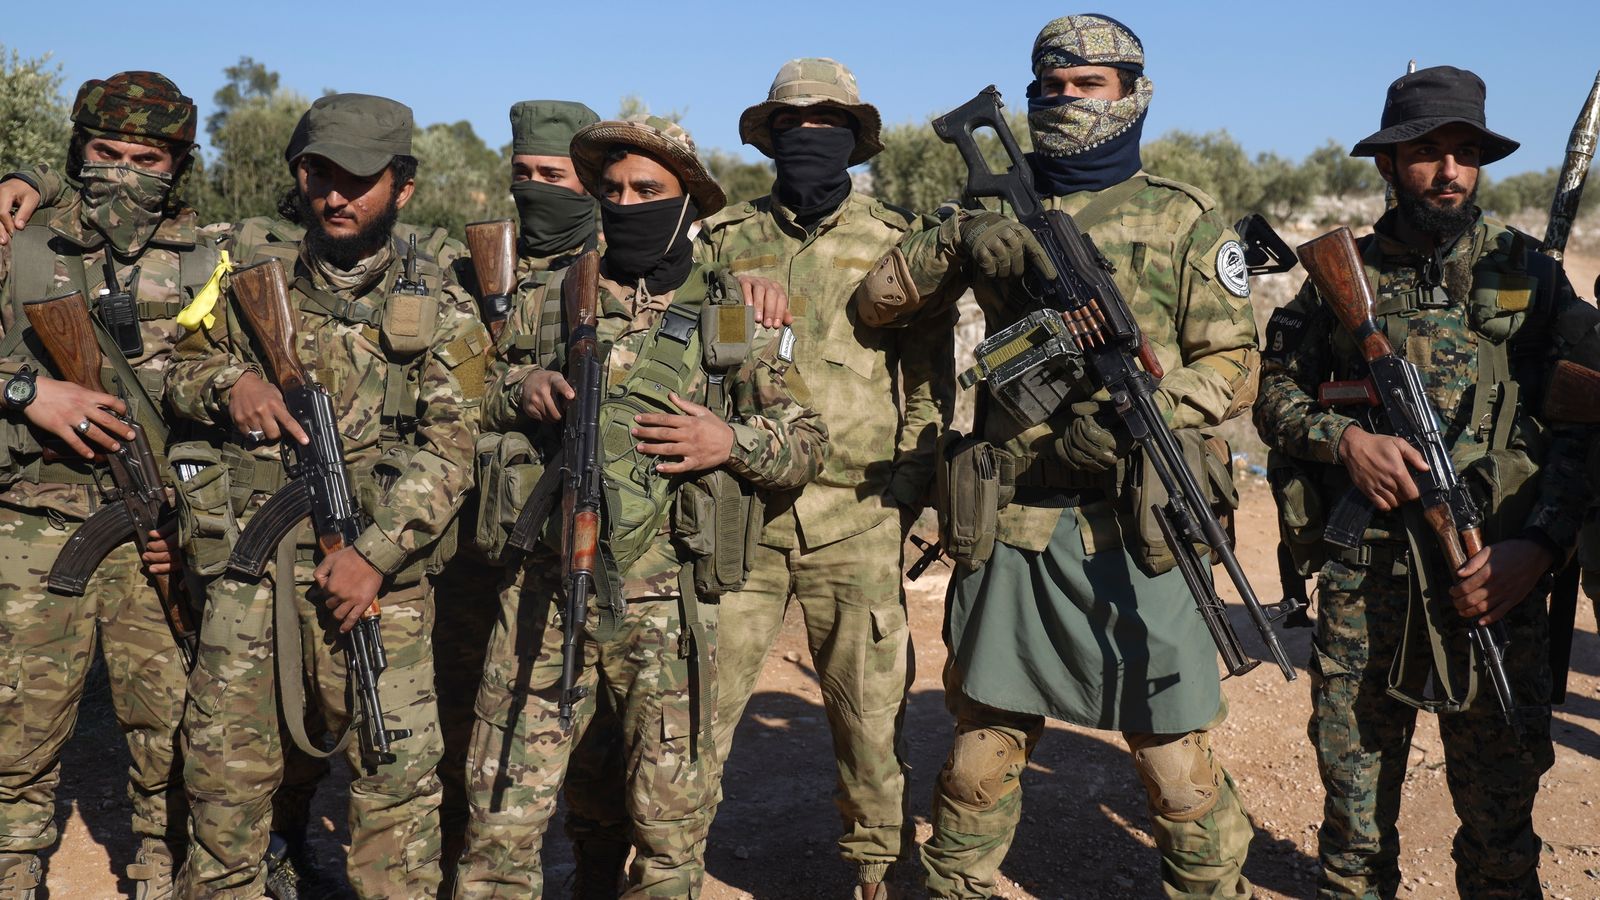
(854, 607)
(1362, 737)
(642, 663)
(972, 833)
(47, 641)
(235, 749)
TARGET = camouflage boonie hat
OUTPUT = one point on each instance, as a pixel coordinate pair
(665, 141)
(814, 81)
(144, 107)
(1087, 40)
(546, 127)
(359, 133)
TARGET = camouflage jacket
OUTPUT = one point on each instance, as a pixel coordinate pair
(1166, 243)
(411, 470)
(166, 277)
(1449, 332)
(780, 442)
(885, 393)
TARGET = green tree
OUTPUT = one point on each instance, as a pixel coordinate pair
(34, 123)
(741, 180)
(249, 80)
(459, 179)
(1338, 174)
(249, 175)
(918, 171)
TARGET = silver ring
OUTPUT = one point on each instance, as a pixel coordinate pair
(82, 427)
(256, 435)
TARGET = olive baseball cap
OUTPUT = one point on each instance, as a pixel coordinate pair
(546, 127)
(359, 133)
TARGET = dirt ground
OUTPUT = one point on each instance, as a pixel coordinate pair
(1084, 832)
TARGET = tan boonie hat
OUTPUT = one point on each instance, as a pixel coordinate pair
(665, 141)
(814, 81)
(359, 133)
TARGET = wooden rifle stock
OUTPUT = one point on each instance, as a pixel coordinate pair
(494, 262)
(1334, 264)
(263, 294)
(67, 333)
(1573, 395)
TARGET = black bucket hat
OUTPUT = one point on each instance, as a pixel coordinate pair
(1432, 98)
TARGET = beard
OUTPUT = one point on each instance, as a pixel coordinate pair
(1432, 218)
(344, 252)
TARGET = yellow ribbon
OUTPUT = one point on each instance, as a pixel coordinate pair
(199, 310)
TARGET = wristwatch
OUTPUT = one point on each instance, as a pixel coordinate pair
(21, 389)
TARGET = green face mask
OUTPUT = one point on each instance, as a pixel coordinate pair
(124, 202)
(553, 218)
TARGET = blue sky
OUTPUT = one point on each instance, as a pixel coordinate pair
(1281, 77)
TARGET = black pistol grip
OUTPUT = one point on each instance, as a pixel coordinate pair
(271, 524)
(109, 528)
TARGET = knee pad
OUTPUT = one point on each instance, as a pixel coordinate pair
(976, 773)
(1179, 773)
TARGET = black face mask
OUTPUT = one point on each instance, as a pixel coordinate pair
(553, 219)
(649, 241)
(813, 169)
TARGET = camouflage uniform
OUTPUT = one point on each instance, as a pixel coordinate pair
(47, 639)
(1064, 620)
(410, 463)
(1362, 719)
(835, 546)
(648, 657)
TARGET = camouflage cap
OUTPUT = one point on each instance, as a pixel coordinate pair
(665, 141)
(1090, 39)
(359, 133)
(144, 107)
(814, 81)
(546, 127)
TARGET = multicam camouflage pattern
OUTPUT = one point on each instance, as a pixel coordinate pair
(144, 107)
(663, 139)
(234, 750)
(1361, 732)
(642, 661)
(814, 81)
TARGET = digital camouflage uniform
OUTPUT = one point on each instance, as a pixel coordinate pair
(47, 639)
(1362, 730)
(410, 463)
(657, 669)
(835, 545)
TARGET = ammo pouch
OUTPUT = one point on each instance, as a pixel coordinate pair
(1210, 461)
(507, 467)
(208, 519)
(1301, 517)
(716, 520)
(1506, 485)
(974, 480)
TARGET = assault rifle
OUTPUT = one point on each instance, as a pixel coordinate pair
(1334, 265)
(577, 474)
(318, 487)
(1098, 345)
(494, 262)
(139, 500)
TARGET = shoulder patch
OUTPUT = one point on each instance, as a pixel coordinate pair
(1285, 330)
(1231, 268)
(786, 341)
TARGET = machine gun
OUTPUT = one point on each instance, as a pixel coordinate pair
(1081, 333)
(139, 501)
(319, 487)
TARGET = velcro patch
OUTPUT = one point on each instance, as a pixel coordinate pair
(1232, 270)
(1285, 330)
(786, 344)
(746, 263)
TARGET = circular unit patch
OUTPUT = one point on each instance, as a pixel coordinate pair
(1231, 269)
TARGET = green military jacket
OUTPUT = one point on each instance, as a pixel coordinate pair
(410, 468)
(1482, 374)
(177, 261)
(885, 393)
(780, 442)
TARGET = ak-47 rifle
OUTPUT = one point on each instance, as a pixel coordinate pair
(1098, 345)
(139, 504)
(319, 487)
(494, 260)
(577, 474)
(1334, 265)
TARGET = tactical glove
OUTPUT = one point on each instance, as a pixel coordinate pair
(1091, 443)
(998, 247)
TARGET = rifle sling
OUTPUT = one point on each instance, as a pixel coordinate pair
(287, 650)
(700, 649)
(1563, 621)
(1108, 201)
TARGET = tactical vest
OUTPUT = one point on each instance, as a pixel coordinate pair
(34, 253)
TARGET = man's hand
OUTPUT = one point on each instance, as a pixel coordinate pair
(1380, 465)
(998, 247)
(350, 583)
(699, 436)
(1498, 577)
(161, 556)
(259, 412)
(770, 300)
(18, 201)
(78, 415)
(545, 393)
(1088, 445)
